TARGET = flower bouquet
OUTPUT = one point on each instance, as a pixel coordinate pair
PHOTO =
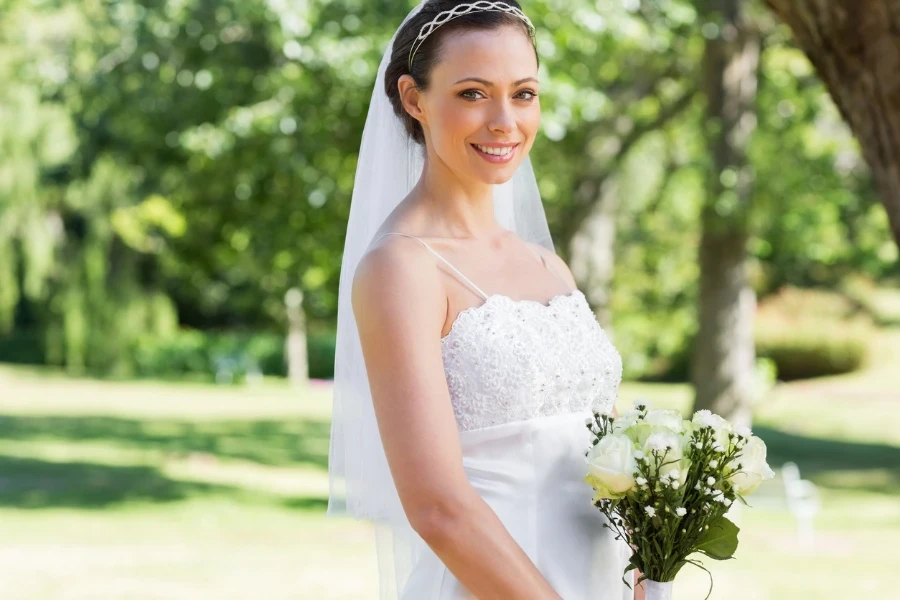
(665, 484)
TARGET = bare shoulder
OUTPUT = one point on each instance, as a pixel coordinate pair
(397, 281)
(554, 260)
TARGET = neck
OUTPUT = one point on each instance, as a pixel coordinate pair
(463, 208)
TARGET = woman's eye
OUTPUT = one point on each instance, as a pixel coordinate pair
(471, 94)
(526, 95)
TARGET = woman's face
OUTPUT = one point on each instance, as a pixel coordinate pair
(481, 111)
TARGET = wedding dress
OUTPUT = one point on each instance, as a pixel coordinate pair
(523, 376)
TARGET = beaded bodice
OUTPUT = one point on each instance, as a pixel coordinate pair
(511, 360)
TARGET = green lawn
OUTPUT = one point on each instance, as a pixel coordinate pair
(121, 491)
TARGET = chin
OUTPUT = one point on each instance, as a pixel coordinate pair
(498, 178)
(498, 175)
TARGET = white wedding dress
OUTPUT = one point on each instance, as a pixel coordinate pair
(523, 376)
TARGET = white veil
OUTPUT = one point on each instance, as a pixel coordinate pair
(390, 164)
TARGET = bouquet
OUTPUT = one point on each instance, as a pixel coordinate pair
(665, 484)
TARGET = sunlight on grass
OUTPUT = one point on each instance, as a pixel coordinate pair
(154, 490)
(193, 550)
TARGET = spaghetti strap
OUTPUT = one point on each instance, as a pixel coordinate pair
(547, 264)
(444, 260)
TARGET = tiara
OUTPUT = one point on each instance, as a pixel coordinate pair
(462, 10)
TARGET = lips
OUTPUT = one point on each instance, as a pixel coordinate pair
(496, 153)
(495, 150)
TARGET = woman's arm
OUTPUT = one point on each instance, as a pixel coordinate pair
(400, 308)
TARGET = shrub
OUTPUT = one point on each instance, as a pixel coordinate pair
(239, 353)
(881, 302)
(811, 333)
(24, 347)
(193, 354)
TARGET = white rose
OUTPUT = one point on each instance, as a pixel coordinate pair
(676, 467)
(721, 427)
(611, 466)
(625, 421)
(754, 469)
(669, 419)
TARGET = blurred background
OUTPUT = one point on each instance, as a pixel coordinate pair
(175, 179)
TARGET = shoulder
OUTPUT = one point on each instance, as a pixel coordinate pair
(555, 261)
(397, 279)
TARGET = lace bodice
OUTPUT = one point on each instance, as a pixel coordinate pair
(511, 360)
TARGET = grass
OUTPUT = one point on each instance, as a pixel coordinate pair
(115, 491)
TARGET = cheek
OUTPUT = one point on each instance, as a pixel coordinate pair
(531, 120)
(455, 122)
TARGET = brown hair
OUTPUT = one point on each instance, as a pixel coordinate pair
(429, 53)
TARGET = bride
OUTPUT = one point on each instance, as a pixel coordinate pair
(467, 360)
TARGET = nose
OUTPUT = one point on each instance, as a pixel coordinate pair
(502, 119)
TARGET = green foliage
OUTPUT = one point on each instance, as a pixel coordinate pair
(720, 540)
(23, 347)
(818, 216)
(320, 347)
(203, 354)
(811, 333)
(205, 152)
(191, 354)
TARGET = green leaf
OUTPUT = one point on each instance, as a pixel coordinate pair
(720, 540)
(628, 568)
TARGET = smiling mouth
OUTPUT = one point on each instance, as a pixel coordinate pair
(494, 151)
(496, 154)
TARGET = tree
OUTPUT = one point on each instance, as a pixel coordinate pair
(610, 86)
(722, 368)
(855, 48)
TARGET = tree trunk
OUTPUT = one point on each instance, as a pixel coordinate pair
(722, 368)
(855, 47)
(295, 343)
(591, 251)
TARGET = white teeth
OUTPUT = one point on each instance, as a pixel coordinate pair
(495, 151)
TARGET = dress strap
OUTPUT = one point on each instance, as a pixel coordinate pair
(442, 259)
(547, 264)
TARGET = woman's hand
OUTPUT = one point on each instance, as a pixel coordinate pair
(640, 590)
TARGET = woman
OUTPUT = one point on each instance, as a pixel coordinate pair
(467, 360)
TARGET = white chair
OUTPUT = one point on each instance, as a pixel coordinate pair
(798, 496)
(802, 500)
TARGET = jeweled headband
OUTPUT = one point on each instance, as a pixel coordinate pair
(462, 10)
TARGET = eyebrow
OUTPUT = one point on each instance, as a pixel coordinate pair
(487, 83)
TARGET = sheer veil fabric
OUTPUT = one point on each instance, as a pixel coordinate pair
(360, 484)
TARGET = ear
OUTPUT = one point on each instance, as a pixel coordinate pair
(411, 98)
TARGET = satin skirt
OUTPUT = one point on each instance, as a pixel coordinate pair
(531, 474)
